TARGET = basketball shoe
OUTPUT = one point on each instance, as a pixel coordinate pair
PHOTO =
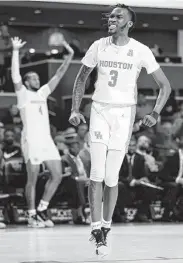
(43, 217)
(97, 238)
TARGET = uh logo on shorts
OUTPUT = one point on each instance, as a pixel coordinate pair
(98, 135)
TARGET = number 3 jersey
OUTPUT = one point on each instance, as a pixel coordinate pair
(34, 113)
(118, 68)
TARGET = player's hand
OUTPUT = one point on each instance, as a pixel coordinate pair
(76, 118)
(17, 43)
(150, 120)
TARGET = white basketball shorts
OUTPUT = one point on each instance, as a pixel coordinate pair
(39, 150)
(112, 125)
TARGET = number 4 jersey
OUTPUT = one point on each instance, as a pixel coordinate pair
(118, 69)
(34, 112)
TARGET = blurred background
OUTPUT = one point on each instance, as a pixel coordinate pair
(43, 24)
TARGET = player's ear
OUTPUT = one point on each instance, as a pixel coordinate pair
(26, 83)
(130, 24)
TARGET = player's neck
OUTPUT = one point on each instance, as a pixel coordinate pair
(120, 40)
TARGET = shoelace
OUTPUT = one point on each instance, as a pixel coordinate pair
(105, 232)
(98, 239)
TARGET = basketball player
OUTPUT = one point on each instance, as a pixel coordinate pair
(37, 144)
(119, 60)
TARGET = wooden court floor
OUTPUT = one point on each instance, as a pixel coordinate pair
(151, 243)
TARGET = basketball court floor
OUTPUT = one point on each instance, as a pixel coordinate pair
(149, 243)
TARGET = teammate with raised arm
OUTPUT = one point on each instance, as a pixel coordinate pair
(119, 60)
(36, 141)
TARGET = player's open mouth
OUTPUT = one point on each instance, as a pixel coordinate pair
(112, 26)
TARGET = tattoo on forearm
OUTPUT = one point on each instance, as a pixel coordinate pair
(79, 87)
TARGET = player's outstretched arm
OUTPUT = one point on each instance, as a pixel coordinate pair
(165, 90)
(15, 68)
(62, 69)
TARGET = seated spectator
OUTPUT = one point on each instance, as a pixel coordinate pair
(75, 183)
(10, 148)
(81, 133)
(85, 155)
(140, 168)
(172, 180)
(12, 162)
(12, 117)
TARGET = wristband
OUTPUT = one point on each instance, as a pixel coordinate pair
(155, 115)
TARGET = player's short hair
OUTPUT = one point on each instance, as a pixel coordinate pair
(131, 12)
(27, 76)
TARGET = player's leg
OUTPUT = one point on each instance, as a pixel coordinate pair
(99, 136)
(54, 166)
(30, 193)
(118, 144)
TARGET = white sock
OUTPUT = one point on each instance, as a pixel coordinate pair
(32, 212)
(106, 224)
(96, 225)
(43, 205)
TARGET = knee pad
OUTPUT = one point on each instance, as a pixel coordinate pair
(113, 164)
(98, 152)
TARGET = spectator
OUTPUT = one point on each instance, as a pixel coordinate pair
(142, 171)
(77, 182)
(12, 117)
(10, 149)
(85, 155)
(13, 167)
(82, 131)
(172, 180)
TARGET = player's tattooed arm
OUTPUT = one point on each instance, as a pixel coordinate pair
(165, 89)
(79, 87)
(62, 69)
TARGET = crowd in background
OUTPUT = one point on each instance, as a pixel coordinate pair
(155, 156)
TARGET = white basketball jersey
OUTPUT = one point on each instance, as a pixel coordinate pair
(34, 112)
(118, 69)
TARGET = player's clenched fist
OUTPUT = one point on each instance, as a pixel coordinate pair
(76, 118)
(151, 119)
(17, 43)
